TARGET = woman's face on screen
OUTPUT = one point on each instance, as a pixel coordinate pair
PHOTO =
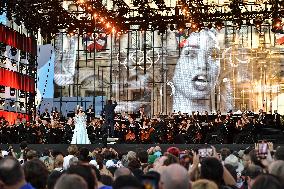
(198, 68)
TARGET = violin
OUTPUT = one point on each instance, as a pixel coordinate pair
(145, 134)
(130, 136)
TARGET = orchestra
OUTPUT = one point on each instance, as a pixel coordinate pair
(138, 128)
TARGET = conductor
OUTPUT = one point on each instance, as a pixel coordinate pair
(110, 114)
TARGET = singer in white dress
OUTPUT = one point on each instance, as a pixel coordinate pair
(80, 135)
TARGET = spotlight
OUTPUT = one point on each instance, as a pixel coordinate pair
(102, 19)
(107, 25)
(95, 15)
(113, 30)
(195, 26)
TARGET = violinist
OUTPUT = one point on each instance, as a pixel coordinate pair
(122, 131)
(133, 130)
(218, 120)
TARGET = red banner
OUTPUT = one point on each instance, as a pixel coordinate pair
(16, 80)
(12, 116)
(17, 40)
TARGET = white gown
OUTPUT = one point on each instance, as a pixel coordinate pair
(80, 135)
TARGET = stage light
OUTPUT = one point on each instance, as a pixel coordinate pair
(95, 15)
(113, 30)
(102, 19)
(107, 25)
(195, 27)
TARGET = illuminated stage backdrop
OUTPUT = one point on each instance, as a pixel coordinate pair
(231, 69)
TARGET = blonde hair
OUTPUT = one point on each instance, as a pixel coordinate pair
(72, 149)
(204, 184)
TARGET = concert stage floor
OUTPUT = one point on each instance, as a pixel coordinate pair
(123, 148)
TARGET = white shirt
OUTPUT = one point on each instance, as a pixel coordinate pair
(66, 161)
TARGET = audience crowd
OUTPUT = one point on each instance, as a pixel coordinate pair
(105, 168)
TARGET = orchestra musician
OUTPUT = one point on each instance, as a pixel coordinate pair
(276, 119)
(261, 117)
(68, 129)
(141, 112)
(133, 130)
(45, 115)
(90, 114)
